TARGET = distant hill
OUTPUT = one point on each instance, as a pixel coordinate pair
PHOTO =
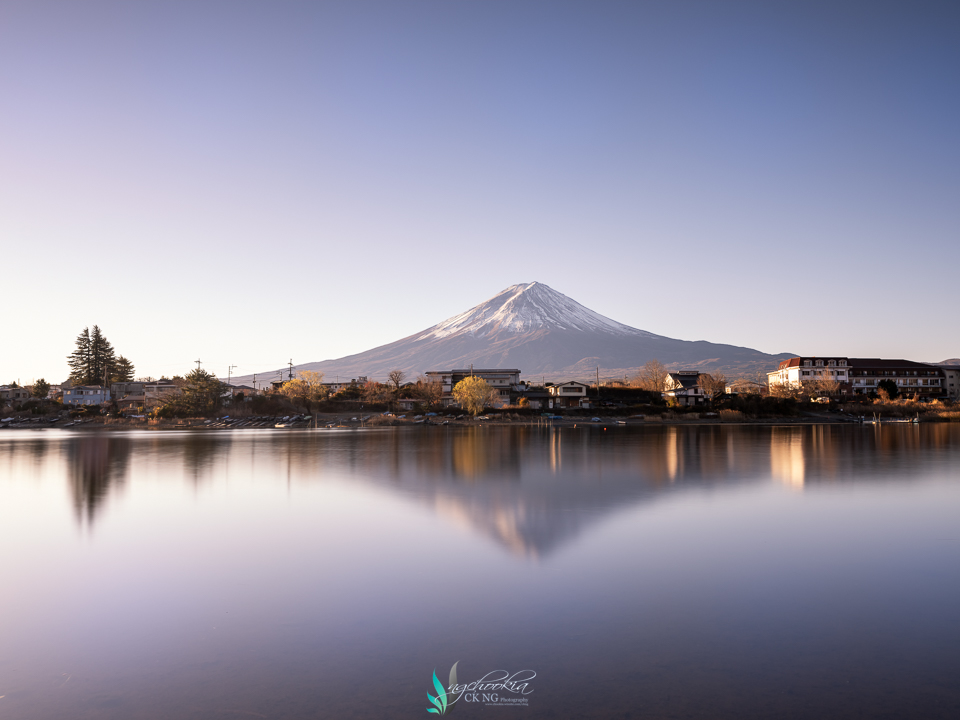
(543, 333)
(950, 361)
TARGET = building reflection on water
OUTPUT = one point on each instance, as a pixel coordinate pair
(530, 490)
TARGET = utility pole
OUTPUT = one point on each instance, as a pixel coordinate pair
(254, 382)
(198, 364)
(230, 373)
(290, 372)
(598, 386)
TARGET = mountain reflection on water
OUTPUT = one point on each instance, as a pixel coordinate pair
(687, 571)
(528, 489)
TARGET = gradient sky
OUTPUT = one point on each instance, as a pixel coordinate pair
(249, 182)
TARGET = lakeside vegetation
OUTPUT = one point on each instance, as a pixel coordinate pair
(199, 394)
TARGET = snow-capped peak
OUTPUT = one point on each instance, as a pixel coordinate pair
(528, 308)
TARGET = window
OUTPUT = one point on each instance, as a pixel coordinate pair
(832, 363)
(806, 363)
(819, 363)
(804, 372)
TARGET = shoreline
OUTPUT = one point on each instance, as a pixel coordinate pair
(333, 421)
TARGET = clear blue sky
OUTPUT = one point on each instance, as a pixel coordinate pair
(246, 183)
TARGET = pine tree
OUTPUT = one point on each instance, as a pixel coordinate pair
(102, 358)
(94, 359)
(79, 360)
(122, 370)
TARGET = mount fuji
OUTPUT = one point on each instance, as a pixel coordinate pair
(543, 333)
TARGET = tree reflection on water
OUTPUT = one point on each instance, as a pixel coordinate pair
(528, 489)
(94, 464)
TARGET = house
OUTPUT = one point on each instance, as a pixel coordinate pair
(132, 402)
(11, 394)
(156, 390)
(502, 380)
(334, 387)
(537, 399)
(569, 394)
(120, 390)
(86, 395)
(684, 387)
(245, 390)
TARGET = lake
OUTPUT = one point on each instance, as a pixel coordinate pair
(661, 572)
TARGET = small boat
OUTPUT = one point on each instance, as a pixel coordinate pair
(877, 420)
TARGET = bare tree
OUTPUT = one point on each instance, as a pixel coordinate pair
(712, 385)
(653, 376)
(396, 377)
(826, 384)
(429, 391)
(788, 389)
(745, 386)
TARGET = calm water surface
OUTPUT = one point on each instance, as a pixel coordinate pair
(691, 572)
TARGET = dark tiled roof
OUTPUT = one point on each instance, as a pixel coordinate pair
(467, 371)
(685, 381)
(882, 364)
(798, 361)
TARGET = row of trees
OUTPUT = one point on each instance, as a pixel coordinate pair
(308, 391)
(94, 361)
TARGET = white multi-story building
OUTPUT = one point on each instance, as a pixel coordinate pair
(913, 379)
(862, 376)
(797, 371)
